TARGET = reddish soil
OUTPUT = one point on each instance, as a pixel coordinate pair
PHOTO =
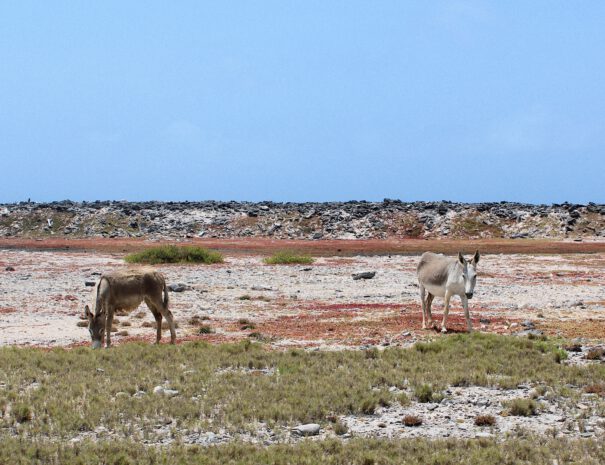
(590, 328)
(319, 247)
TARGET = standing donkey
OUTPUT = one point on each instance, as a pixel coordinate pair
(125, 290)
(443, 276)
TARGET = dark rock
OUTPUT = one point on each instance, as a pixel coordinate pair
(89, 283)
(364, 275)
(9, 268)
(178, 287)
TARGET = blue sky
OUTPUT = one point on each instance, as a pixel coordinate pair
(303, 100)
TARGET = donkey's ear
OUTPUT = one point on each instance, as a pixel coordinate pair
(461, 258)
(87, 312)
(476, 257)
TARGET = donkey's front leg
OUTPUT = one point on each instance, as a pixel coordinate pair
(446, 310)
(108, 325)
(467, 315)
(422, 299)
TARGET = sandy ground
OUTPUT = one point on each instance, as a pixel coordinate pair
(320, 305)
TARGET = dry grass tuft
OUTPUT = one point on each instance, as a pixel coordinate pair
(412, 420)
(485, 420)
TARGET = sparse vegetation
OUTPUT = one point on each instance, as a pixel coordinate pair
(424, 393)
(287, 257)
(522, 407)
(412, 420)
(485, 420)
(340, 428)
(358, 451)
(198, 320)
(175, 254)
(595, 354)
(236, 398)
(247, 326)
(205, 329)
(596, 388)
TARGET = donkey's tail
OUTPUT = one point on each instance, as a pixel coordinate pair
(165, 295)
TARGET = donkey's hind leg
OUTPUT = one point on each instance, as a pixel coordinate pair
(423, 300)
(158, 320)
(163, 308)
(429, 316)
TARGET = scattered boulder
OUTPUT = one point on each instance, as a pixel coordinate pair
(161, 390)
(180, 287)
(364, 275)
(311, 429)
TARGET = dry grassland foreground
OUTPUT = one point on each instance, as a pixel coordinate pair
(288, 363)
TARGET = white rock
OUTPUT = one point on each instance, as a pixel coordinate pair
(158, 390)
(311, 429)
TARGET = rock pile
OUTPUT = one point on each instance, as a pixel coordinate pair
(329, 220)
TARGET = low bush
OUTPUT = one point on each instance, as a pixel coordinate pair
(522, 407)
(287, 257)
(412, 420)
(174, 254)
(485, 420)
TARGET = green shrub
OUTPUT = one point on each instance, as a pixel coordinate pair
(522, 407)
(287, 257)
(174, 254)
(424, 393)
(22, 413)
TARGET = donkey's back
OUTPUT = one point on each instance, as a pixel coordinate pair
(433, 272)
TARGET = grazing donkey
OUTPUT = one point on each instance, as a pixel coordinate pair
(443, 276)
(125, 290)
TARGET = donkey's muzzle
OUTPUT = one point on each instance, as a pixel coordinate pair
(469, 295)
(96, 344)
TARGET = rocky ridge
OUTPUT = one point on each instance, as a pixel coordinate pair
(327, 220)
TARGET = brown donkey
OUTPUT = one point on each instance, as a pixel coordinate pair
(125, 290)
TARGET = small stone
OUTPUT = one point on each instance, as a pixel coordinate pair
(311, 429)
(171, 392)
(260, 288)
(139, 394)
(364, 275)
(89, 283)
(177, 287)
(158, 390)
(9, 268)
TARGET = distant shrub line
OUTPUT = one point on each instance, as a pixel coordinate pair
(288, 257)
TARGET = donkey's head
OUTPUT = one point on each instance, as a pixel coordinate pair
(469, 273)
(96, 327)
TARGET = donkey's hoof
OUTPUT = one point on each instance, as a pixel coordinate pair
(444, 330)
